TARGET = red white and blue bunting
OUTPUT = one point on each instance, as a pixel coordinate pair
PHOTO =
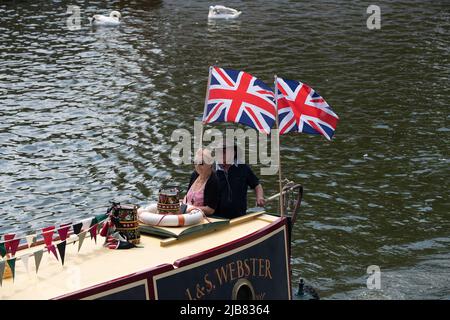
(9, 245)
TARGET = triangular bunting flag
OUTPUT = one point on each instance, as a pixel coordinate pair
(81, 239)
(93, 232)
(37, 258)
(93, 221)
(30, 239)
(2, 270)
(48, 235)
(2, 249)
(63, 231)
(101, 217)
(8, 237)
(12, 265)
(70, 239)
(24, 259)
(86, 223)
(62, 250)
(13, 245)
(52, 249)
(77, 228)
(105, 229)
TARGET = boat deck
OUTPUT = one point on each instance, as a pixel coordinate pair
(96, 264)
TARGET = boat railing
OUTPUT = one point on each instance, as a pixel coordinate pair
(292, 198)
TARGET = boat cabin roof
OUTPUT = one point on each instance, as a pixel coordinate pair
(95, 264)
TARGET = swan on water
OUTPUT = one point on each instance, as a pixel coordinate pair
(221, 12)
(101, 20)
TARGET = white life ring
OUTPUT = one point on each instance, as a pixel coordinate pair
(148, 215)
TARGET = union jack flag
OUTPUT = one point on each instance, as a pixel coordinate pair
(301, 109)
(237, 96)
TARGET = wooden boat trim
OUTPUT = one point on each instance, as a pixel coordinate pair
(231, 245)
(101, 289)
(246, 218)
(233, 222)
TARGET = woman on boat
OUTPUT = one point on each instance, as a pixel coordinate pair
(203, 189)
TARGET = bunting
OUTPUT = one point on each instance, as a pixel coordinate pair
(30, 239)
(52, 249)
(12, 265)
(105, 229)
(24, 259)
(101, 217)
(38, 258)
(48, 235)
(93, 232)
(13, 245)
(77, 228)
(62, 250)
(8, 237)
(86, 223)
(10, 244)
(93, 222)
(2, 271)
(2, 249)
(99, 227)
(63, 231)
(81, 237)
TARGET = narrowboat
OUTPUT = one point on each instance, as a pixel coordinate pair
(243, 258)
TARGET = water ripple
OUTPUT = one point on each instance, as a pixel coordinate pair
(86, 117)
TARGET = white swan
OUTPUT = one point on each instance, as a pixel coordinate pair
(221, 12)
(112, 20)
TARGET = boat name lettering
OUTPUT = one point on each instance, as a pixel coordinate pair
(247, 268)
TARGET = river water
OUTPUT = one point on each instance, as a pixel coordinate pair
(87, 115)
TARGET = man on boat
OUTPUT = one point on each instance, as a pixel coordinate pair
(234, 180)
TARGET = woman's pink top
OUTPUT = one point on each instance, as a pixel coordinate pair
(195, 198)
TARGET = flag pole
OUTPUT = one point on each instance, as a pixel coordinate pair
(279, 147)
(206, 104)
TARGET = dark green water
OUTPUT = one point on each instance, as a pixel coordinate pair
(86, 117)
